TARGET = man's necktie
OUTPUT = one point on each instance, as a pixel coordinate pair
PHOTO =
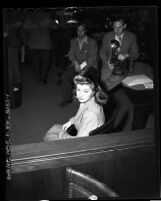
(120, 39)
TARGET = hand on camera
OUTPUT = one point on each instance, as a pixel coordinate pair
(122, 56)
(110, 65)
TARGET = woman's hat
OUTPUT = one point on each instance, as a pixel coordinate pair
(86, 79)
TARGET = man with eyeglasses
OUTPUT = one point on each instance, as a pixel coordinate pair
(129, 49)
(83, 57)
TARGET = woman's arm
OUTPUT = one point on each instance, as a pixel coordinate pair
(66, 125)
(65, 135)
(88, 123)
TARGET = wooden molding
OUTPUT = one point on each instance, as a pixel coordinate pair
(60, 153)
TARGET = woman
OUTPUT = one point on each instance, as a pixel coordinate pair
(90, 114)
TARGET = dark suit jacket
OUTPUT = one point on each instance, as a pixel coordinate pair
(128, 45)
(87, 53)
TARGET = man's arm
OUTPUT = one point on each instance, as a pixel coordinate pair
(104, 50)
(134, 50)
(71, 53)
(72, 56)
(92, 55)
(24, 36)
(134, 53)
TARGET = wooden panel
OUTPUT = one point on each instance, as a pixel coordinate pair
(42, 184)
(36, 156)
(136, 172)
(127, 163)
(130, 172)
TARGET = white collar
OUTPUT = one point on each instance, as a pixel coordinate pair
(83, 40)
(119, 36)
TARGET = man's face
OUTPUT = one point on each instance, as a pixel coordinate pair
(119, 27)
(81, 32)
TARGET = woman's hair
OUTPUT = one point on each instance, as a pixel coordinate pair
(100, 96)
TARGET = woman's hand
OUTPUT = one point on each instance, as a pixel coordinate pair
(66, 125)
(63, 135)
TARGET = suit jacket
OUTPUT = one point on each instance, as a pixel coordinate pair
(89, 117)
(87, 53)
(128, 45)
(39, 38)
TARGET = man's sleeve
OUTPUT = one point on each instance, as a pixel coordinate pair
(24, 35)
(102, 52)
(134, 51)
(88, 123)
(105, 49)
(71, 53)
(92, 54)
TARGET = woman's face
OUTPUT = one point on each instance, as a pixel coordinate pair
(84, 92)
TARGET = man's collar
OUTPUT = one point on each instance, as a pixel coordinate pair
(120, 36)
(85, 39)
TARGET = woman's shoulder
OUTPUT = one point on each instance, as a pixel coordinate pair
(95, 108)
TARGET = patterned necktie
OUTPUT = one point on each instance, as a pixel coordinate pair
(80, 44)
(120, 39)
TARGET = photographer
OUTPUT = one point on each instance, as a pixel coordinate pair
(128, 49)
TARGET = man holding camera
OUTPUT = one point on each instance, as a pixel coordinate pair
(129, 49)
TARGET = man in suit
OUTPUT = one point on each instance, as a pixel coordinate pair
(128, 49)
(83, 57)
(37, 37)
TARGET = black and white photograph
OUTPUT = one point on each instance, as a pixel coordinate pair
(81, 102)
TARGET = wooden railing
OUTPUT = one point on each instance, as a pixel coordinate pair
(39, 156)
(126, 161)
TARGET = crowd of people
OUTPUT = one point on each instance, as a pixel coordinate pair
(90, 81)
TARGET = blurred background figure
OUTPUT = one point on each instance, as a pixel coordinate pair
(13, 27)
(37, 37)
(108, 23)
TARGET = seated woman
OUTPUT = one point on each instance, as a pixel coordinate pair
(90, 114)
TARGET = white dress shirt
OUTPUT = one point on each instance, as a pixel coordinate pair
(119, 38)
